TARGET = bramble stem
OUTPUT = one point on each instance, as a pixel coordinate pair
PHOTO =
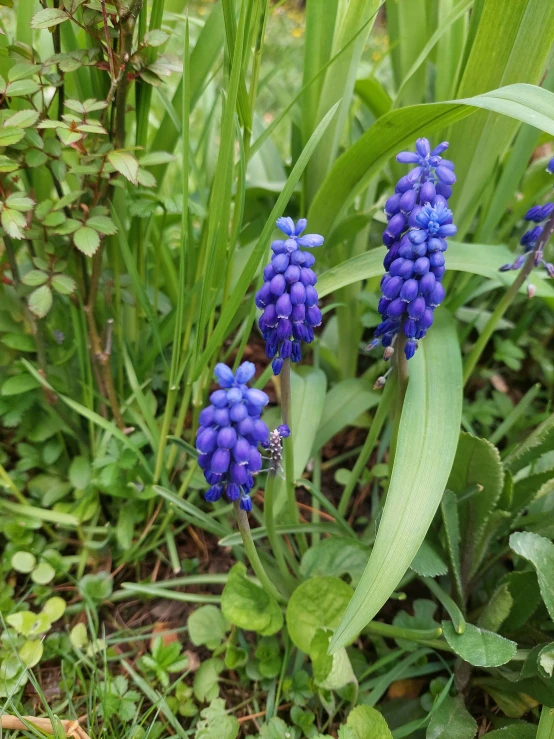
(506, 300)
(269, 519)
(252, 553)
(286, 397)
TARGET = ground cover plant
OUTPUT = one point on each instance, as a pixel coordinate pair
(276, 369)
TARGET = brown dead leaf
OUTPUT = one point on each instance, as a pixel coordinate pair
(406, 688)
(158, 630)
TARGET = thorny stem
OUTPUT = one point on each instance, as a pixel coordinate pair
(286, 397)
(252, 554)
(506, 300)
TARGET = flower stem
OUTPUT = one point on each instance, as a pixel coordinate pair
(252, 554)
(286, 396)
(275, 541)
(506, 300)
(403, 376)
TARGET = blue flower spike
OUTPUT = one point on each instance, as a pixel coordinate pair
(230, 431)
(419, 222)
(531, 240)
(288, 297)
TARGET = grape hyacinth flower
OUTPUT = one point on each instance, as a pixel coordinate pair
(275, 445)
(419, 223)
(531, 240)
(288, 297)
(229, 433)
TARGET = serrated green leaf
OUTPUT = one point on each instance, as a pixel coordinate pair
(64, 284)
(21, 88)
(497, 609)
(102, 224)
(10, 135)
(13, 223)
(40, 301)
(125, 164)
(20, 202)
(540, 552)
(86, 240)
(479, 647)
(49, 17)
(526, 596)
(34, 277)
(207, 625)
(22, 119)
(364, 722)
(427, 441)
(428, 561)
(331, 672)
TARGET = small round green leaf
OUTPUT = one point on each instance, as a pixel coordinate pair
(40, 301)
(43, 574)
(86, 240)
(318, 602)
(54, 608)
(248, 606)
(23, 562)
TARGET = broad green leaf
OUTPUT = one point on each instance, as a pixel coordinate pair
(86, 240)
(540, 552)
(31, 652)
(216, 722)
(451, 720)
(205, 685)
(526, 597)
(207, 625)
(479, 142)
(80, 472)
(449, 511)
(22, 88)
(422, 620)
(497, 609)
(248, 606)
(19, 384)
(125, 164)
(533, 446)
(23, 562)
(335, 556)
(40, 301)
(19, 201)
(331, 672)
(308, 392)
(427, 441)
(43, 574)
(344, 403)
(54, 608)
(318, 602)
(365, 722)
(49, 17)
(479, 259)
(479, 647)
(514, 731)
(398, 129)
(477, 463)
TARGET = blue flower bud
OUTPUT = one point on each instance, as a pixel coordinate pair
(438, 271)
(298, 258)
(284, 328)
(313, 316)
(550, 166)
(422, 147)
(278, 247)
(233, 492)
(270, 315)
(269, 272)
(307, 276)
(220, 461)
(292, 274)
(245, 427)
(445, 175)
(260, 431)
(206, 416)
(277, 366)
(278, 285)
(407, 269)
(392, 288)
(234, 395)
(407, 157)
(410, 327)
(221, 417)
(241, 450)
(219, 398)
(418, 236)
(286, 349)
(280, 262)
(207, 441)
(436, 259)
(409, 290)
(410, 348)
(416, 308)
(297, 293)
(444, 190)
(226, 438)
(426, 320)
(436, 295)
(427, 283)
(283, 305)
(214, 493)
(421, 265)
(427, 193)
(392, 206)
(298, 313)
(238, 473)
(396, 308)
(246, 503)
(255, 461)
(284, 431)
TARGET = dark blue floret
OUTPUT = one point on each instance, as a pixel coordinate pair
(229, 433)
(530, 240)
(288, 297)
(419, 222)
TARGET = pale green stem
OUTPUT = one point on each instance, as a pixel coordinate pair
(286, 397)
(402, 375)
(276, 541)
(546, 724)
(252, 554)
